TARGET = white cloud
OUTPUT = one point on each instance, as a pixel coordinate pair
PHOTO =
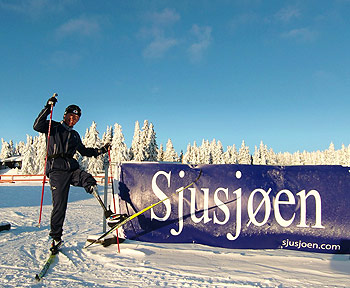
(287, 14)
(83, 26)
(159, 35)
(158, 47)
(241, 20)
(164, 18)
(156, 32)
(35, 8)
(302, 34)
(203, 39)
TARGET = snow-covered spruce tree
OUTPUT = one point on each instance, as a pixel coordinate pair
(93, 165)
(231, 155)
(205, 153)
(119, 150)
(143, 149)
(20, 148)
(344, 156)
(244, 155)
(28, 164)
(136, 140)
(317, 157)
(160, 154)
(107, 138)
(170, 154)
(192, 155)
(256, 156)
(195, 154)
(6, 150)
(144, 146)
(296, 159)
(108, 135)
(39, 144)
(217, 152)
(271, 157)
(187, 156)
(152, 147)
(330, 155)
(181, 157)
(83, 161)
(12, 148)
(261, 155)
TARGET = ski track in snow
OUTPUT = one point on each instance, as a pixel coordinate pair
(24, 249)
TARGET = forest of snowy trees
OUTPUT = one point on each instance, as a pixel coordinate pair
(144, 147)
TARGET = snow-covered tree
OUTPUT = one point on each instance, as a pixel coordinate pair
(20, 148)
(144, 146)
(330, 155)
(296, 159)
(261, 155)
(6, 149)
(136, 142)
(93, 165)
(108, 135)
(39, 144)
(192, 155)
(217, 152)
(143, 151)
(181, 157)
(152, 147)
(12, 148)
(28, 163)
(231, 155)
(243, 154)
(187, 156)
(195, 154)
(119, 150)
(344, 156)
(160, 155)
(204, 155)
(170, 154)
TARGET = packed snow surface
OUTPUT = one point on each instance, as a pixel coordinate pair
(24, 250)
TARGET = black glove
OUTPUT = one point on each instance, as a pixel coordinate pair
(51, 101)
(105, 148)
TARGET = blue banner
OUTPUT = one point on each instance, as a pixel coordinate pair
(304, 208)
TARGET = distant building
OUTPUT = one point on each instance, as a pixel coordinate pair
(12, 162)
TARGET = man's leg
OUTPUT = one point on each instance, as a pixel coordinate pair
(83, 179)
(59, 183)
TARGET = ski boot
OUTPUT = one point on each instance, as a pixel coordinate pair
(56, 245)
(115, 219)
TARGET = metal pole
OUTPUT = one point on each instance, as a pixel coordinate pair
(106, 163)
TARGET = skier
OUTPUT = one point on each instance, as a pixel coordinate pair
(62, 169)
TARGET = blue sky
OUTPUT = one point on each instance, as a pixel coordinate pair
(271, 71)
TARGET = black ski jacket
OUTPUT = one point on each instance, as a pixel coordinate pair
(63, 144)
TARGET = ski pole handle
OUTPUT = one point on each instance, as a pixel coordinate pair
(53, 96)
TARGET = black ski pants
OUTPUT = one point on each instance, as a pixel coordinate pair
(60, 182)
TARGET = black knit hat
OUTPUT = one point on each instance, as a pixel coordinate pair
(73, 109)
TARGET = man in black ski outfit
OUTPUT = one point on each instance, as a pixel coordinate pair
(62, 169)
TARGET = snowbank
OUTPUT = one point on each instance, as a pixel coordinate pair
(25, 247)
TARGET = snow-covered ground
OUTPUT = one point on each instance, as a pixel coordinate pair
(24, 249)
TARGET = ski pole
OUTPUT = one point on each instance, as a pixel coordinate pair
(47, 151)
(110, 165)
(115, 209)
